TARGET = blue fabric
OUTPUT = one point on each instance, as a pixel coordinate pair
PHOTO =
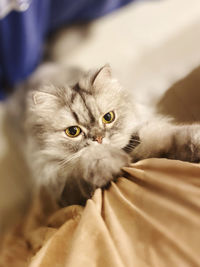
(22, 34)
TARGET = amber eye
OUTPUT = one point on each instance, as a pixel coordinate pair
(73, 131)
(108, 117)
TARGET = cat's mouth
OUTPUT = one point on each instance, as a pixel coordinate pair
(133, 142)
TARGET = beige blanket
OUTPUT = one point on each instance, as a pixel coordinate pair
(152, 219)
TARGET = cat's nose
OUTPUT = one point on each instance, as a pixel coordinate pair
(98, 139)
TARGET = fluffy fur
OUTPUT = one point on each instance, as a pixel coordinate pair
(72, 168)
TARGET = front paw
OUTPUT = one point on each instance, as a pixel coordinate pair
(97, 167)
(102, 164)
(139, 153)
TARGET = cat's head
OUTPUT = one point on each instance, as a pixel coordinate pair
(64, 120)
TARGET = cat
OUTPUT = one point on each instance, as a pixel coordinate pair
(78, 138)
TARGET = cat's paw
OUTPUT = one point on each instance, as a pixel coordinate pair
(95, 168)
(102, 164)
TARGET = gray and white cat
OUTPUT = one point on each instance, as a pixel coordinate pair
(78, 138)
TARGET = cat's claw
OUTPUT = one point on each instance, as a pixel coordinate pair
(104, 166)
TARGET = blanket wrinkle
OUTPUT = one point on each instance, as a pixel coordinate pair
(150, 219)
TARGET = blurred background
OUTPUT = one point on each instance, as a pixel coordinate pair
(152, 46)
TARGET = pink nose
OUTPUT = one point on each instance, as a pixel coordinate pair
(98, 139)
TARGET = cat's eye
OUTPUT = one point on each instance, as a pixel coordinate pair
(73, 131)
(108, 117)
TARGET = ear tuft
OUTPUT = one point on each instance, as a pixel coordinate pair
(38, 97)
(35, 100)
(102, 75)
(43, 94)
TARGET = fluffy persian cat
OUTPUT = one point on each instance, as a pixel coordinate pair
(78, 137)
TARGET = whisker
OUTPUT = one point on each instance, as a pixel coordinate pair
(63, 162)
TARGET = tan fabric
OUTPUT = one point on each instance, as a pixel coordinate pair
(153, 219)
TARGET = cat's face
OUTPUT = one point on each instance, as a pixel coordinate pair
(64, 121)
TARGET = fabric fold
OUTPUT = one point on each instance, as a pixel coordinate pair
(151, 218)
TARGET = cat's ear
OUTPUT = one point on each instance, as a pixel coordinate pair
(38, 97)
(42, 96)
(102, 75)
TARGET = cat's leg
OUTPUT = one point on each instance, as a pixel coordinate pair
(95, 168)
(99, 164)
(164, 140)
